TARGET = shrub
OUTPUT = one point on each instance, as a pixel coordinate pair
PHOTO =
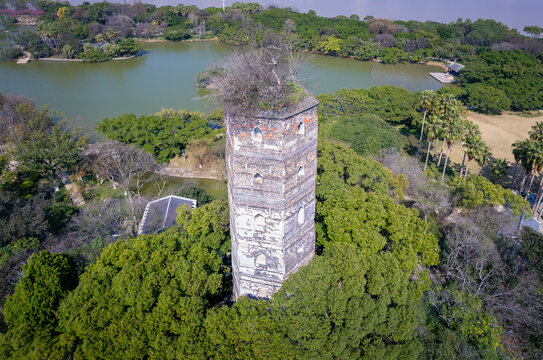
(367, 134)
(176, 33)
(92, 53)
(10, 53)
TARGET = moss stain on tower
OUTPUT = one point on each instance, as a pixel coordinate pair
(271, 158)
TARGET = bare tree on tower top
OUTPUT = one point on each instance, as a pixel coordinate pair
(261, 73)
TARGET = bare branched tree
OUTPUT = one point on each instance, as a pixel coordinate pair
(125, 165)
(400, 163)
(261, 72)
(108, 219)
(123, 25)
(497, 275)
(432, 198)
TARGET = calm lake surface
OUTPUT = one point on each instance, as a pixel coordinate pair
(164, 78)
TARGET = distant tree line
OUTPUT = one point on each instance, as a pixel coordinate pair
(503, 67)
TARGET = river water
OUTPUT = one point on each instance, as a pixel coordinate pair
(164, 78)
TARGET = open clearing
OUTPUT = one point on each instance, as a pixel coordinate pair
(499, 132)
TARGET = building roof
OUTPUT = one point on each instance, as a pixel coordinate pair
(161, 213)
(530, 222)
(455, 67)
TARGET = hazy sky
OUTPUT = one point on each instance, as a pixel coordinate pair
(515, 13)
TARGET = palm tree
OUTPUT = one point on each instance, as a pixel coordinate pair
(471, 136)
(537, 132)
(451, 132)
(432, 131)
(477, 151)
(451, 110)
(517, 154)
(536, 136)
(532, 156)
(520, 150)
(499, 169)
(427, 103)
(484, 154)
(538, 166)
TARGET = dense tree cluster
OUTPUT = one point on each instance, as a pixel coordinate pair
(35, 152)
(504, 79)
(359, 299)
(165, 134)
(367, 134)
(393, 104)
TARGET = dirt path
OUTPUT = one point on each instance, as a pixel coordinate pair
(499, 132)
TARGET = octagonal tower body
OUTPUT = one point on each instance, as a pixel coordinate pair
(271, 159)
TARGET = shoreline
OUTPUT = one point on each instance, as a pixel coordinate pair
(162, 40)
(378, 60)
(438, 64)
(83, 60)
(151, 40)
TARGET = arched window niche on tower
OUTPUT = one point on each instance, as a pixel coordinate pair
(301, 128)
(261, 293)
(258, 179)
(301, 172)
(259, 222)
(260, 260)
(301, 215)
(257, 134)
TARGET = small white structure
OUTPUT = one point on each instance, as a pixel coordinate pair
(454, 68)
(160, 214)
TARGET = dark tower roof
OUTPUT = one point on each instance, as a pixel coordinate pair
(455, 67)
(161, 213)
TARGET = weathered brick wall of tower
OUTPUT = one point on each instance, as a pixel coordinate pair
(272, 162)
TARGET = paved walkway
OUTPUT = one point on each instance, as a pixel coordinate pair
(189, 173)
(73, 190)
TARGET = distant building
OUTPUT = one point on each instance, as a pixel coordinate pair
(454, 68)
(160, 214)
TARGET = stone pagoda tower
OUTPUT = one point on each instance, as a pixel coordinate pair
(271, 159)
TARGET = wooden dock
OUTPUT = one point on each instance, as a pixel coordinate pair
(444, 78)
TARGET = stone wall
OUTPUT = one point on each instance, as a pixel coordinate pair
(272, 161)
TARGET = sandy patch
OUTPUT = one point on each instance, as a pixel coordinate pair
(499, 132)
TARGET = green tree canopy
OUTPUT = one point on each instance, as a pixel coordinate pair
(31, 311)
(144, 297)
(534, 31)
(164, 134)
(50, 153)
(518, 74)
(148, 296)
(367, 134)
(246, 330)
(391, 103)
(487, 99)
(348, 305)
(338, 165)
(476, 191)
(376, 223)
(352, 187)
